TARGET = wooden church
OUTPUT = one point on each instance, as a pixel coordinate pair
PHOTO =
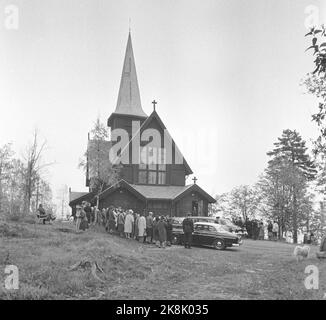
(144, 186)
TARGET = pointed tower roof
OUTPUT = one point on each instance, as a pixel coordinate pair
(129, 98)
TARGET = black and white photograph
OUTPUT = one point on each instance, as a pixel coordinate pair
(163, 156)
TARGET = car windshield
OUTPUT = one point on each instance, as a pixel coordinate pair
(205, 227)
(220, 227)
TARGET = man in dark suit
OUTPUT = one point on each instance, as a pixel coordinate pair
(88, 211)
(188, 229)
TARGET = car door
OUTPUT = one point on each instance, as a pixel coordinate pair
(200, 234)
(211, 235)
(196, 236)
(206, 235)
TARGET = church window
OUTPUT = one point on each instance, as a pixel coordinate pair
(152, 177)
(152, 166)
(142, 178)
(142, 166)
(152, 172)
(161, 177)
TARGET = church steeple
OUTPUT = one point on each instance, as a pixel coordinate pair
(129, 98)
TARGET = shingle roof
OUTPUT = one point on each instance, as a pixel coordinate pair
(160, 192)
(156, 192)
(75, 195)
(78, 197)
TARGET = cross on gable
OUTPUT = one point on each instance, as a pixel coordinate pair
(154, 104)
(194, 180)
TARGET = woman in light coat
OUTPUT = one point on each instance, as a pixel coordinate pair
(141, 227)
(129, 220)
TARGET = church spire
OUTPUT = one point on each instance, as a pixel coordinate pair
(129, 97)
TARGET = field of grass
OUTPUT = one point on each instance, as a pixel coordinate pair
(44, 255)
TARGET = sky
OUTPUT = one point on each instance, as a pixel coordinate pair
(226, 75)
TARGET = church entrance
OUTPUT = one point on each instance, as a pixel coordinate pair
(197, 208)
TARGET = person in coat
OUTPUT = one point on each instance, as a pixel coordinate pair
(155, 231)
(136, 232)
(141, 227)
(188, 229)
(78, 217)
(275, 230)
(81, 222)
(322, 248)
(110, 220)
(129, 220)
(121, 223)
(149, 228)
(161, 229)
(261, 231)
(41, 214)
(88, 210)
(270, 230)
(169, 231)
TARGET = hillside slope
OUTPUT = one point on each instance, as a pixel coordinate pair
(45, 254)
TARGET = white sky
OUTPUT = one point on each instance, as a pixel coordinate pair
(226, 75)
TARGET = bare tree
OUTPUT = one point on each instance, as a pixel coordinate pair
(6, 154)
(33, 168)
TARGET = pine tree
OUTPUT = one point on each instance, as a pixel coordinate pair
(294, 168)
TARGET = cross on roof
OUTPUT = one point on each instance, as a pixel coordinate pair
(154, 104)
(194, 180)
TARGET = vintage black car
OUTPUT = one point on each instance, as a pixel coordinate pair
(209, 234)
(226, 224)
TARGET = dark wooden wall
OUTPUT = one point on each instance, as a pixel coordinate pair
(125, 199)
(159, 207)
(175, 172)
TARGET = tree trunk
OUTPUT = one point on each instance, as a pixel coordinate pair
(0, 188)
(294, 218)
(0, 196)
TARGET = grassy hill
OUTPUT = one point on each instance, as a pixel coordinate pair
(45, 255)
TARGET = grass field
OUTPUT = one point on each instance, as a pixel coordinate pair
(44, 255)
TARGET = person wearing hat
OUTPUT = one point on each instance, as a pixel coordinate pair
(188, 229)
(110, 220)
(322, 248)
(141, 227)
(88, 211)
(161, 229)
(129, 220)
(149, 228)
(136, 230)
(155, 231)
(81, 221)
(121, 222)
(169, 229)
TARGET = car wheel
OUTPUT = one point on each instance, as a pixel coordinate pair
(219, 244)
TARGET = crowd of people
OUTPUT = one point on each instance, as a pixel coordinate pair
(126, 223)
(258, 230)
(270, 230)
